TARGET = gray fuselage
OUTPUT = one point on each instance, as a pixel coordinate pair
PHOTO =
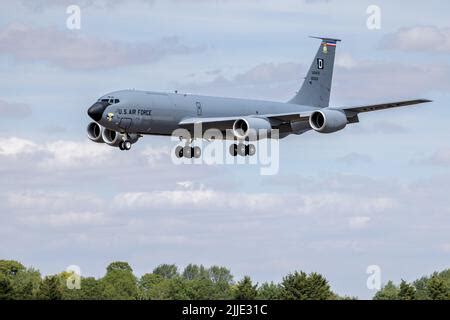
(158, 113)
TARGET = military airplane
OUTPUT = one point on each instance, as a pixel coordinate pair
(122, 117)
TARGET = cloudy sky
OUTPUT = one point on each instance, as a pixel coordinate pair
(376, 193)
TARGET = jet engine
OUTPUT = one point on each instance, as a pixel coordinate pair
(114, 138)
(328, 121)
(251, 127)
(111, 137)
(94, 132)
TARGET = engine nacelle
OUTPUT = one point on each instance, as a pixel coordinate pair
(113, 138)
(94, 132)
(251, 127)
(328, 121)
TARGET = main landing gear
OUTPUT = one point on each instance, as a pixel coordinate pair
(188, 152)
(242, 149)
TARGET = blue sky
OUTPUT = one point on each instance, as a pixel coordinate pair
(375, 193)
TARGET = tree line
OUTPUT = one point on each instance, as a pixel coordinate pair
(194, 282)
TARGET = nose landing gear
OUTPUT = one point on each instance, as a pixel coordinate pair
(125, 145)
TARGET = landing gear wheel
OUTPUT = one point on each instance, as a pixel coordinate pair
(241, 149)
(233, 150)
(187, 152)
(126, 144)
(121, 146)
(251, 150)
(179, 152)
(197, 152)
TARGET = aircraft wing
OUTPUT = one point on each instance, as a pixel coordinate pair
(224, 123)
(352, 111)
(220, 123)
(289, 117)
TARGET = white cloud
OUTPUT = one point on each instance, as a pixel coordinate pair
(108, 4)
(446, 247)
(419, 38)
(67, 219)
(269, 204)
(80, 51)
(355, 81)
(50, 201)
(345, 60)
(154, 155)
(196, 199)
(13, 146)
(438, 158)
(358, 222)
(69, 154)
(57, 154)
(344, 203)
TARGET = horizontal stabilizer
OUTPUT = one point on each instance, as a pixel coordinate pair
(326, 39)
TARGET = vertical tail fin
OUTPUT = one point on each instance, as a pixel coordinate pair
(316, 88)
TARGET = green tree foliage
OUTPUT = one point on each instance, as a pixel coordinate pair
(195, 282)
(90, 289)
(119, 283)
(26, 284)
(300, 286)
(51, 288)
(202, 289)
(421, 288)
(245, 290)
(222, 279)
(6, 289)
(437, 288)
(269, 291)
(407, 291)
(195, 272)
(19, 282)
(10, 268)
(119, 266)
(153, 287)
(388, 292)
(434, 287)
(166, 271)
(220, 275)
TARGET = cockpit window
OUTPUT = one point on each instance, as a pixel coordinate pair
(110, 101)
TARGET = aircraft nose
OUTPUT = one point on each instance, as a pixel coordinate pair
(96, 111)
